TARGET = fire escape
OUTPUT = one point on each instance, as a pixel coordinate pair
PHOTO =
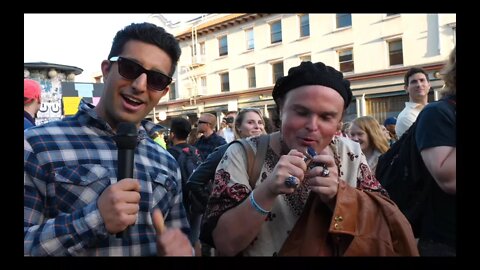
(198, 59)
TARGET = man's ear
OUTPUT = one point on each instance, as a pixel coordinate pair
(165, 91)
(105, 66)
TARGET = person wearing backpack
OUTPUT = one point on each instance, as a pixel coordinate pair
(436, 140)
(187, 156)
(315, 194)
(248, 122)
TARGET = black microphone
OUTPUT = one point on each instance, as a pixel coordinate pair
(126, 139)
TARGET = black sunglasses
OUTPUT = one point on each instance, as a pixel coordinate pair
(131, 70)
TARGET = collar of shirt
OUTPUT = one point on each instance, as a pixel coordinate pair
(88, 116)
(413, 105)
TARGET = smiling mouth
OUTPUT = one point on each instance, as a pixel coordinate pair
(132, 101)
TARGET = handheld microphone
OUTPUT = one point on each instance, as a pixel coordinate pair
(126, 140)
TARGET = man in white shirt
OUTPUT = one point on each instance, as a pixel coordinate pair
(228, 133)
(417, 86)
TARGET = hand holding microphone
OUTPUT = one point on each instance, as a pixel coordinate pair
(119, 203)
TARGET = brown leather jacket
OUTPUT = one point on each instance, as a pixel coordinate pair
(363, 224)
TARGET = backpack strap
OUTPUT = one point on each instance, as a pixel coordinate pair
(250, 156)
(176, 149)
(255, 160)
(263, 142)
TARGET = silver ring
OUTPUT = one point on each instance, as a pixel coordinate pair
(325, 172)
(291, 182)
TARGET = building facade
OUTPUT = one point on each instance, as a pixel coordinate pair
(231, 61)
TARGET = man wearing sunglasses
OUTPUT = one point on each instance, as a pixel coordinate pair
(210, 139)
(74, 205)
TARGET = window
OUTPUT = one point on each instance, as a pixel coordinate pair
(276, 32)
(251, 77)
(249, 39)
(344, 20)
(192, 49)
(225, 82)
(222, 46)
(304, 26)
(203, 86)
(305, 58)
(277, 71)
(395, 52)
(171, 93)
(345, 59)
(202, 48)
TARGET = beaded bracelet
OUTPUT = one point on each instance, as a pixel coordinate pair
(257, 207)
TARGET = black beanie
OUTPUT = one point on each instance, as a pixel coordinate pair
(313, 74)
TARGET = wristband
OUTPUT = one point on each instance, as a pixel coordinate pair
(257, 207)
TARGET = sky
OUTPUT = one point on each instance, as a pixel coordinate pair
(80, 40)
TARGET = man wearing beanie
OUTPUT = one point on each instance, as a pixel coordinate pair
(316, 195)
(32, 92)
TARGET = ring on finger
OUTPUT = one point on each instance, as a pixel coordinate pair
(291, 182)
(325, 172)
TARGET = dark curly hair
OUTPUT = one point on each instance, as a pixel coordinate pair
(149, 33)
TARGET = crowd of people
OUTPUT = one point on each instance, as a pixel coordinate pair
(190, 194)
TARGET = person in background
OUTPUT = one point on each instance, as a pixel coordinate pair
(209, 140)
(74, 203)
(390, 124)
(304, 204)
(223, 125)
(228, 132)
(193, 136)
(346, 128)
(158, 137)
(269, 128)
(248, 122)
(436, 138)
(187, 156)
(367, 132)
(387, 134)
(32, 92)
(417, 86)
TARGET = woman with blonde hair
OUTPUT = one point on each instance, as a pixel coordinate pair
(367, 132)
(248, 123)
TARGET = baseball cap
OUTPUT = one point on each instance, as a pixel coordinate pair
(390, 121)
(31, 90)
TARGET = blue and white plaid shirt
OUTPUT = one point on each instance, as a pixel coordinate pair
(68, 164)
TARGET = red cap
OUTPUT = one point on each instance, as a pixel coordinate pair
(31, 90)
